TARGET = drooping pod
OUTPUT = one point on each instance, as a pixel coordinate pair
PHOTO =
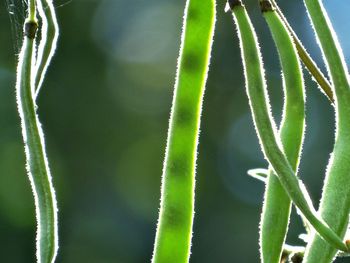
(335, 202)
(265, 127)
(49, 37)
(37, 164)
(277, 204)
(174, 231)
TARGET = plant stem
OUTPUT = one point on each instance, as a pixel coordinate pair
(173, 238)
(32, 10)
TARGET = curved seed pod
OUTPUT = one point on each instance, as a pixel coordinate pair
(309, 63)
(173, 238)
(277, 204)
(47, 46)
(265, 127)
(335, 201)
(37, 164)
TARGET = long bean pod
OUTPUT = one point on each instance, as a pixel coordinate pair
(265, 127)
(49, 37)
(37, 164)
(173, 238)
(335, 201)
(277, 204)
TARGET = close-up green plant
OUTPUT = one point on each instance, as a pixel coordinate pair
(173, 239)
(106, 85)
(37, 165)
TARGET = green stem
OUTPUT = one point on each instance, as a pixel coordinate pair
(335, 201)
(271, 146)
(173, 238)
(32, 10)
(37, 164)
(277, 204)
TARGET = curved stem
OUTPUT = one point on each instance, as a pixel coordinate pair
(173, 238)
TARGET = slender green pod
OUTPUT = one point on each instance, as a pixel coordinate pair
(309, 63)
(265, 127)
(37, 164)
(277, 204)
(335, 201)
(48, 43)
(173, 238)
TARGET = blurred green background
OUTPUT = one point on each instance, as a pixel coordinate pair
(104, 108)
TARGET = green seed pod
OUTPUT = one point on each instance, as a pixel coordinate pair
(265, 127)
(37, 164)
(173, 238)
(335, 201)
(277, 204)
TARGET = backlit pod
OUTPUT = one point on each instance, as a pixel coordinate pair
(335, 201)
(265, 127)
(37, 164)
(277, 204)
(174, 232)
